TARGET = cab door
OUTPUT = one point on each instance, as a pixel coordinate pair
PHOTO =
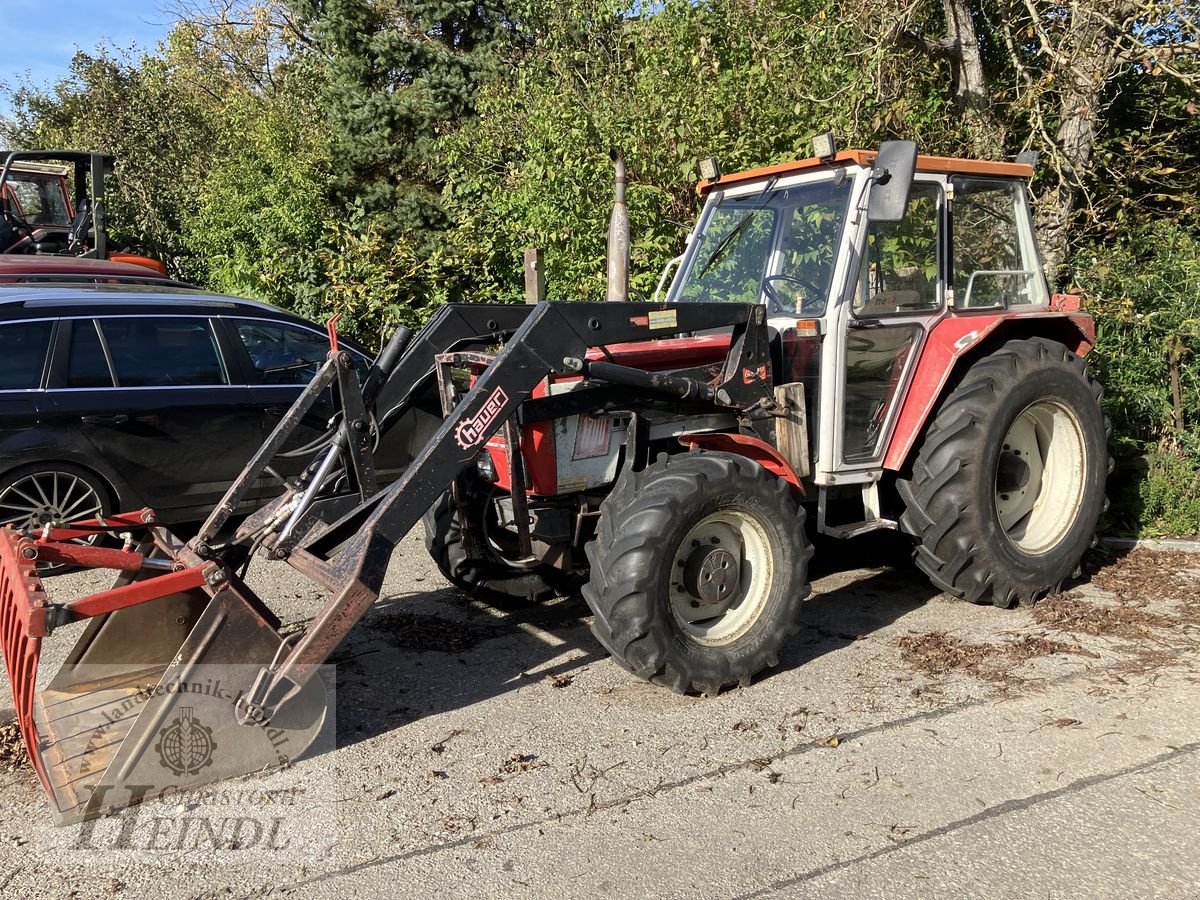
(899, 292)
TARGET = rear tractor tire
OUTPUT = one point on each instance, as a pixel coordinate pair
(1009, 481)
(698, 570)
(490, 572)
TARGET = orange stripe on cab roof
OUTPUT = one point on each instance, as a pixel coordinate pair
(941, 165)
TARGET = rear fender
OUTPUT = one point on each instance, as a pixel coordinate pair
(955, 337)
(744, 445)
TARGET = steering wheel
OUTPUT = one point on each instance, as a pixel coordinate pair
(812, 302)
(20, 236)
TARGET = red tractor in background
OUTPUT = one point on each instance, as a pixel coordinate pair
(52, 202)
(865, 335)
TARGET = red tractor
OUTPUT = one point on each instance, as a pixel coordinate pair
(867, 336)
(52, 203)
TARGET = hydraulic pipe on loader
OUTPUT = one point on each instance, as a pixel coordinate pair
(98, 734)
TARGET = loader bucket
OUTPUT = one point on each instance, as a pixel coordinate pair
(149, 700)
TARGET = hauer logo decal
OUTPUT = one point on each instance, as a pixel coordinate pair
(470, 431)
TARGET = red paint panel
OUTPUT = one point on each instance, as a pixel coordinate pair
(671, 353)
(537, 451)
(750, 447)
(950, 338)
(537, 441)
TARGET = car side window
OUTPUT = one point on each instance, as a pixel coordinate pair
(287, 354)
(24, 356)
(87, 366)
(162, 352)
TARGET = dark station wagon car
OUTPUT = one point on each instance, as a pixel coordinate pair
(122, 396)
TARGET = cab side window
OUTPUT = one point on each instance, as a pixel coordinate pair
(899, 271)
(995, 260)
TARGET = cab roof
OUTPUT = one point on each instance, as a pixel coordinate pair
(940, 165)
(27, 167)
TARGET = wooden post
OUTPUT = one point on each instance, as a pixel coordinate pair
(535, 281)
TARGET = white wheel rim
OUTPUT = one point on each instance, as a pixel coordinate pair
(721, 577)
(1040, 476)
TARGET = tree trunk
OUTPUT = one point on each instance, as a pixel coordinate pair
(971, 87)
(1082, 64)
(960, 48)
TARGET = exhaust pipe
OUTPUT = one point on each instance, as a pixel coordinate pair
(618, 238)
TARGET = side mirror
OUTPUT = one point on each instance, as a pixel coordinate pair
(893, 177)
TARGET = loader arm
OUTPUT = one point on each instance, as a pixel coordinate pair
(396, 378)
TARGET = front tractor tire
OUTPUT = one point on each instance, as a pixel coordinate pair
(1009, 481)
(698, 570)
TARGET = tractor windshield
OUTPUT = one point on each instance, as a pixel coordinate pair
(41, 199)
(776, 246)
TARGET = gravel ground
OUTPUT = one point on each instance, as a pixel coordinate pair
(907, 745)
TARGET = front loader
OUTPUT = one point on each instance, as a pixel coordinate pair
(823, 344)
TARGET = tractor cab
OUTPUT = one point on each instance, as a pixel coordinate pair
(52, 202)
(867, 262)
(35, 194)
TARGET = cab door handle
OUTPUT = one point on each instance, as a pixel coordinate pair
(118, 419)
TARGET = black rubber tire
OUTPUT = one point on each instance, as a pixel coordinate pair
(642, 523)
(950, 498)
(94, 482)
(491, 579)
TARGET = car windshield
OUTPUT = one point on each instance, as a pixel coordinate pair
(778, 245)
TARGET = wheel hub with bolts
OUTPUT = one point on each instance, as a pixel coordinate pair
(48, 498)
(720, 576)
(711, 574)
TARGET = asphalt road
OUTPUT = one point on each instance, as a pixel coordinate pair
(908, 745)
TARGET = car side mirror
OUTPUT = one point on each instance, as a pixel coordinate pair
(892, 180)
